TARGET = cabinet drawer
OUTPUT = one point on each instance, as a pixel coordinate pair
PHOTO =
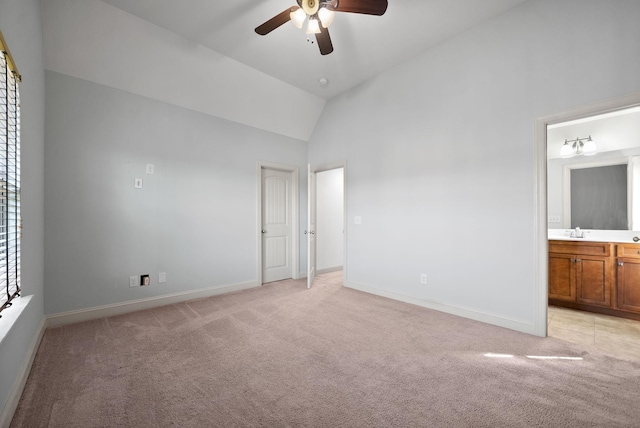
(628, 250)
(586, 248)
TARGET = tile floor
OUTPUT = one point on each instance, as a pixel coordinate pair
(617, 336)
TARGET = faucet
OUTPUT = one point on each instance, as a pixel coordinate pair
(577, 233)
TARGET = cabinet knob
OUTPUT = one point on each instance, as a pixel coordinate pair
(620, 263)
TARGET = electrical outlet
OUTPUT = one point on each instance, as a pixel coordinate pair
(554, 219)
(134, 281)
(150, 169)
(423, 278)
(145, 280)
(162, 277)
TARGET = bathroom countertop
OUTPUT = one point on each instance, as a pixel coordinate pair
(621, 236)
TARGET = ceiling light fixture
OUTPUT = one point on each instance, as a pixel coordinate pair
(326, 16)
(314, 10)
(318, 16)
(298, 18)
(580, 146)
(313, 27)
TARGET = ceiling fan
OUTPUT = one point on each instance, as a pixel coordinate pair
(319, 15)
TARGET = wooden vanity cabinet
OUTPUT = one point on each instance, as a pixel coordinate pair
(581, 272)
(562, 277)
(628, 281)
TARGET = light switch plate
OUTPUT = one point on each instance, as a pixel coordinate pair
(554, 219)
(137, 183)
(134, 281)
(162, 277)
(357, 219)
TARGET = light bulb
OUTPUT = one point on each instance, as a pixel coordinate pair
(566, 151)
(314, 27)
(326, 16)
(298, 17)
(589, 148)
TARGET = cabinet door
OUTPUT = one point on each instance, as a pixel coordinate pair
(629, 285)
(593, 280)
(562, 277)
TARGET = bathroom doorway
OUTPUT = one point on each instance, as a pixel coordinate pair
(614, 126)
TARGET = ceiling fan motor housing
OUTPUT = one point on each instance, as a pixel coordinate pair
(310, 7)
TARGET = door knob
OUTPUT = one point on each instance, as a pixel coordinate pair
(264, 231)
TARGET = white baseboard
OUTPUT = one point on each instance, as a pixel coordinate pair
(96, 312)
(21, 380)
(328, 270)
(450, 309)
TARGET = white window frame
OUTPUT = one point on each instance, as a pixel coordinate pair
(10, 218)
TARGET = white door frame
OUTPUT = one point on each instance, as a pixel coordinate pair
(541, 241)
(295, 217)
(329, 167)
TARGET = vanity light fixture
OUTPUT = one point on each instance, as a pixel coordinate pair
(580, 146)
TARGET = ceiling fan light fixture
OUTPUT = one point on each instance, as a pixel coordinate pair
(313, 13)
(326, 16)
(313, 27)
(298, 18)
(310, 6)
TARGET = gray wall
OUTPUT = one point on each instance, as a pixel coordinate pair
(195, 218)
(441, 150)
(20, 24)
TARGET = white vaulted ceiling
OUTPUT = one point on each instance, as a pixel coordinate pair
(364, 45)
(204, 55)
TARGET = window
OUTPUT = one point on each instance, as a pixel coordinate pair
(9, 178)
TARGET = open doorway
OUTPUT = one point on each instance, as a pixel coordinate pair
(329, 220)
(581, 292)
(326, 223)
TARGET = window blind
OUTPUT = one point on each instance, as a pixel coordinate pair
(10, 224)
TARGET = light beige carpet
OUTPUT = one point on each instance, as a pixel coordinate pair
(284, 356)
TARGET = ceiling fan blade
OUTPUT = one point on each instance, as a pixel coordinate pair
(324, 41)
(276, 21)
(369, 7)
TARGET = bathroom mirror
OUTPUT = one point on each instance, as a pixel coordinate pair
(597, 197)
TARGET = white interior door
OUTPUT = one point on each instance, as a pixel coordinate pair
(276, 225)
(311, 227)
